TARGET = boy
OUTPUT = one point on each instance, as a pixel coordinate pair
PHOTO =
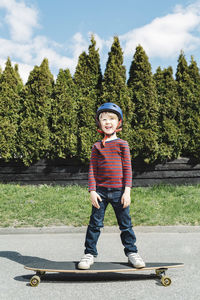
(110, 181)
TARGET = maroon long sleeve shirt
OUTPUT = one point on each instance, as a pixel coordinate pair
(110, 166)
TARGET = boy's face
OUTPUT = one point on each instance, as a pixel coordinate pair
(109, 122)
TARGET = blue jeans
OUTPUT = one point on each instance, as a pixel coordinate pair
(128, 238)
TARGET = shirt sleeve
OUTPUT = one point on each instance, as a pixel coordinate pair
(92, 170)
(127, 167)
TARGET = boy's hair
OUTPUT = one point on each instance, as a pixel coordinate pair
(108, 112)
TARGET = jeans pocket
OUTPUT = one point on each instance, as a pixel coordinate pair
(117, 195)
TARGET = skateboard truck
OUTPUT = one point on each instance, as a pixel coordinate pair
(165, 280)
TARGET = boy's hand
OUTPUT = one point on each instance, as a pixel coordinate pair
(94, 197)
(126, 197)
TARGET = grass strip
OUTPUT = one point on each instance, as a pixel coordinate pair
(44, 205)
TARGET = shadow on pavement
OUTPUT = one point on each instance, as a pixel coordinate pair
(98, 277)
(21, 259)
(69, 277)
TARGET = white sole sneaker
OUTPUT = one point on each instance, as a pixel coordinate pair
(86, 261)
(136, 261)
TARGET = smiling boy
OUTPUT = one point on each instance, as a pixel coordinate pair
(110, 181)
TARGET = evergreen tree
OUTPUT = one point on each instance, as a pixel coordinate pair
(88, 71)
(87, 79)
(1, 72)
(188, 80)
(144, 97)
(194, 123)
(115, 89)
(169, 133)
(34, 128)
(19, 80)
(10, 85)
(64, 117)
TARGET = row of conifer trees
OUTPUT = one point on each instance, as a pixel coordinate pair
(47, 118)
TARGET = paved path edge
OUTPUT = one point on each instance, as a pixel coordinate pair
(108, 229)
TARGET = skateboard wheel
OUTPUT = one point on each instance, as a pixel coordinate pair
(166, 281)
(35, 280)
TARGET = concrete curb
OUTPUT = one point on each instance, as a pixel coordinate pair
(108, 229)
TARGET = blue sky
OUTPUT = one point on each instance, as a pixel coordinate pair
(60, 30)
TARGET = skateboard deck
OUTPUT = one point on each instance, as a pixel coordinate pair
(98, 267)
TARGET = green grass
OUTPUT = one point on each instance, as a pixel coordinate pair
(23, 206)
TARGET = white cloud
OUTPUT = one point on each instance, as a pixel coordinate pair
(42, 48)
(17, 50)
(20, 18)
(24, 70)
(166, 36)
(28, 49)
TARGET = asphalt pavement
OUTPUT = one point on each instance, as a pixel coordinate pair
(179, 244)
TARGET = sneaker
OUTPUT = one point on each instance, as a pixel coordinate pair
(136, 260)
(86, 261)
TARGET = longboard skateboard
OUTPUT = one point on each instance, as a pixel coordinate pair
(98, 267)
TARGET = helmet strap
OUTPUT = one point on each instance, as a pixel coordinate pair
(100, 131)
(104, 139)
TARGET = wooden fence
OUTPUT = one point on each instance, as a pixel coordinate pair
(66, 172)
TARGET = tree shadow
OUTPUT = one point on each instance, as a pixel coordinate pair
(22, 259)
